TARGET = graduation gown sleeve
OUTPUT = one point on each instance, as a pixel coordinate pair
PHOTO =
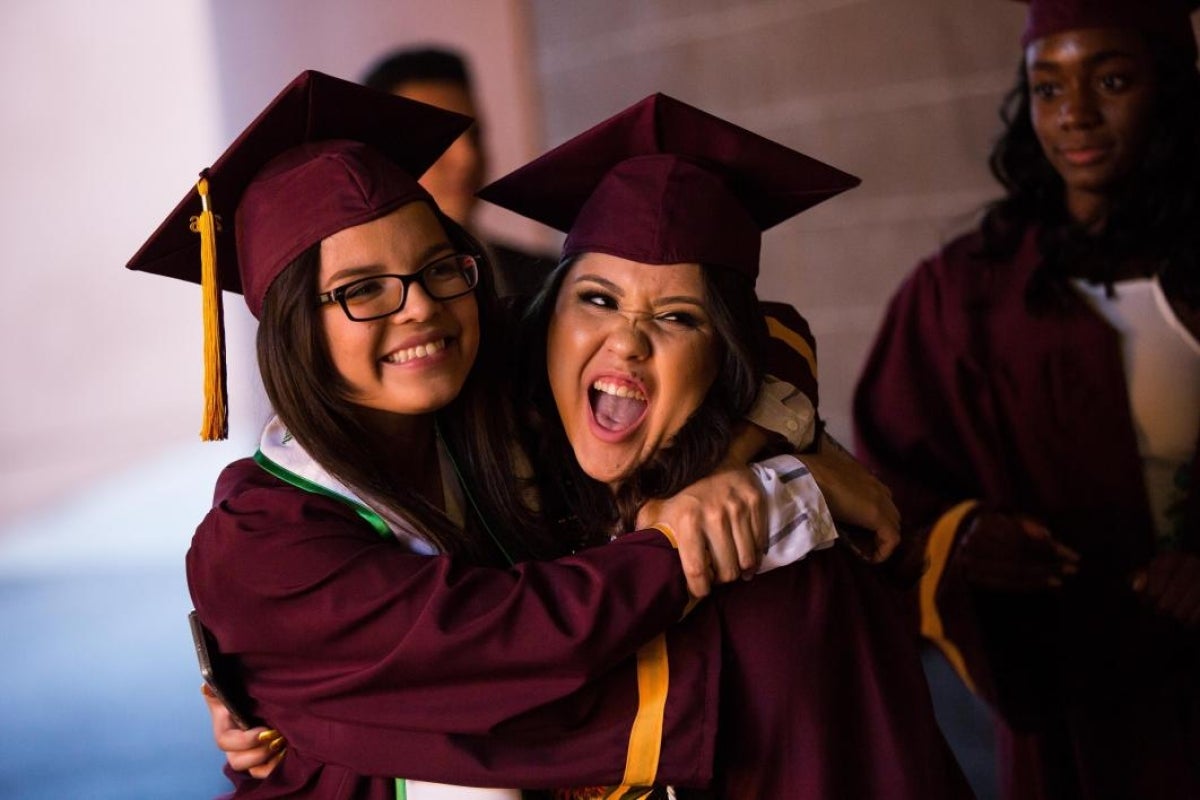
(367, 656)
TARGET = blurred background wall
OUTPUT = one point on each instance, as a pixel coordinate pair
(901, 93)
(111, 108)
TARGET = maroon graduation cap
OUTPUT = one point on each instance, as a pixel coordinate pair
(1166, 18)
(663, 182)
(324, 155)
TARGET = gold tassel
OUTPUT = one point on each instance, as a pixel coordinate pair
(216, 414)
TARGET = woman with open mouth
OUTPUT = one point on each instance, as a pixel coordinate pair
(644, 348)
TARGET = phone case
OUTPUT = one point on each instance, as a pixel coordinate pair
(220, 673)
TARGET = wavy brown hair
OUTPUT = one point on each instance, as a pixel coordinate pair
(586, 507)
(310, 397)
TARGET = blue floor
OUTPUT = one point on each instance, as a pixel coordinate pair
(100, 691)
(99, 688)
(964, 719)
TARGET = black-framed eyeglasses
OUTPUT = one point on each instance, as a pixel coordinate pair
(377, 296)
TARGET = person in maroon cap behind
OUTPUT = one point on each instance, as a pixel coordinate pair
(1033, 399)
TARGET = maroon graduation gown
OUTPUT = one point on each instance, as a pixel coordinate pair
(968, 396)
(823, 696)
(376, 662)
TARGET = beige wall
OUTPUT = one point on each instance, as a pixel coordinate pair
(100, 102)
(902, 93)
(112, 108)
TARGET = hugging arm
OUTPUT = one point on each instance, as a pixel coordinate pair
(786, 412)
(368, 656)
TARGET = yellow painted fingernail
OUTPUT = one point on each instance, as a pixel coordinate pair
(270, 733)
(278, 744)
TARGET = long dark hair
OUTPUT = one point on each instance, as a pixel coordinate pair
(309, 395)
(585, 507)
(1153, 213)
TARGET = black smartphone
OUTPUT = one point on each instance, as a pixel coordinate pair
(221, 675)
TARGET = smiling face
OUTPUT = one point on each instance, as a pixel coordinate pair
(1091, 98)
(631, 352)
(416, 360)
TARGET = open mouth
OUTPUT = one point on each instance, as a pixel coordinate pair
(617, 407)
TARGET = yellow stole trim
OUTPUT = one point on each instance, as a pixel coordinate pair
(779, 331)
(941, 541)
(668, 532)
(645, 738)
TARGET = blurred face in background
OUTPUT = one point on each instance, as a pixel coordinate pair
(458, 174)
(1091, 98)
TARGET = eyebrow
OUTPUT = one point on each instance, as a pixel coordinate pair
(1090, 61)
(426, 257)
(658, 301)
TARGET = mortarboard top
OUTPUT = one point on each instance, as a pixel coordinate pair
(324, 155)
(665, 183)
(314, 107)
(1166, 18)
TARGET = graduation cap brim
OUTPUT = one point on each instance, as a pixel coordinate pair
(312, 108)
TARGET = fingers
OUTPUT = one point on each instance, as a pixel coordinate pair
(1011, 576)
(1171, 584)
(245, 750)
(226, 732)
(1037, 532)
(861, 541)
(264, 770)
(720, 526)
(887, 539)
(739, 528)
(858, 500)
(750, 534)
(1003, 552)
(260, 759)
(718, 533)
(884, 519)
(694, 558)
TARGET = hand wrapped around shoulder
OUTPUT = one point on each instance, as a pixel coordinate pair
(859, 502)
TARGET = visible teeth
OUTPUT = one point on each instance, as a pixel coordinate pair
(420, 351)
(619, 390)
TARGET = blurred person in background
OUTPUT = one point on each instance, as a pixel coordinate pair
(1033, 400)
(440, 77)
